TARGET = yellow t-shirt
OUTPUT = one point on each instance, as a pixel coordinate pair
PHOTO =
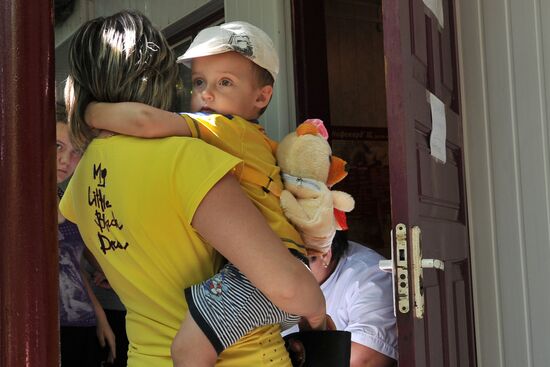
(248, 141)
(133, 201)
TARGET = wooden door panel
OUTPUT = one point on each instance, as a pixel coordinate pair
(460, 338)
(425, 192)
(417, 27)
(441, 240)
(419, 46)
(439, 191)
(446, 343)
(433, 332)
(432, 50)
(459, 298)
(438, 184)
(421, 111)
(466, 341)
(447, 72)
(448, 57)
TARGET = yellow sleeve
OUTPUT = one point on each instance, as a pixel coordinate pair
(66, 206)
(208, 128)
(192, 124)
(224, 132)
(192, 180)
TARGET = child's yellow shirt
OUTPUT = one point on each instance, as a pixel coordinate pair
(247, 140)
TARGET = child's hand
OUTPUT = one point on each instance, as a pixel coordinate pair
(106, 336)
(330, 324)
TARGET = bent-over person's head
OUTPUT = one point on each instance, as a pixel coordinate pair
(120, 58)
(323, 265)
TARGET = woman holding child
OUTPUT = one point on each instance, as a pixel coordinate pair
(155, 213)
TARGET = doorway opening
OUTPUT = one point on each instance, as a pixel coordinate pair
(349, 65)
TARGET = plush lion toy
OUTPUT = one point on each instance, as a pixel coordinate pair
(308, 170)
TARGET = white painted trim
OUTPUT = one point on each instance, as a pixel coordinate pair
(479, 264)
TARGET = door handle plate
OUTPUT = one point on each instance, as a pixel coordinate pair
(418, 264)
(402, 268)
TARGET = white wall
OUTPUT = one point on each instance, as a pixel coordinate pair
(161, 12)
(505, 51)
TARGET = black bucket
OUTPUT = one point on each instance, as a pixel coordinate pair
(329, 348)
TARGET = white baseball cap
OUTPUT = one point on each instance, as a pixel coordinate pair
(244, 38)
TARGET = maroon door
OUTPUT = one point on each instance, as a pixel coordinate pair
(420, 57)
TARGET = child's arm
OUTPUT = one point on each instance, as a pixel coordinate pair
(136, 119)
(104, 332)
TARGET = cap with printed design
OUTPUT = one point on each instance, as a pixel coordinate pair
(244, 38)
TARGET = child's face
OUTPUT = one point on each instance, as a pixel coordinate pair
(226, 84)
(67, 156)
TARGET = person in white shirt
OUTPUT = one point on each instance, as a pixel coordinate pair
(359, 299)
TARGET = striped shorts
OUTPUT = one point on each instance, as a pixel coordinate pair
(227, 306)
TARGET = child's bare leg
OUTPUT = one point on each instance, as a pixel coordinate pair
(191, 347)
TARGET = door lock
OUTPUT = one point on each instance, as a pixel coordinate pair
(402, 269)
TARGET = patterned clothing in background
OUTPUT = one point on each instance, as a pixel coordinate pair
(75, 306)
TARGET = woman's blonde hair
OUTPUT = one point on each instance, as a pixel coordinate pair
(121, 58)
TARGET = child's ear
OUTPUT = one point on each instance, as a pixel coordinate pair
(264, 96)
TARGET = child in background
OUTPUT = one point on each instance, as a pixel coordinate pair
(233, 70)
(82, 319)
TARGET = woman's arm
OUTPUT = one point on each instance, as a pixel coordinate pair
(229, 221)
(135, 119)
(104, 332)
(362, 356)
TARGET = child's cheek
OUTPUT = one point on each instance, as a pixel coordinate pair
(74, 162)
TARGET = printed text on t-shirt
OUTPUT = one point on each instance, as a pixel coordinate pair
(104, 214)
